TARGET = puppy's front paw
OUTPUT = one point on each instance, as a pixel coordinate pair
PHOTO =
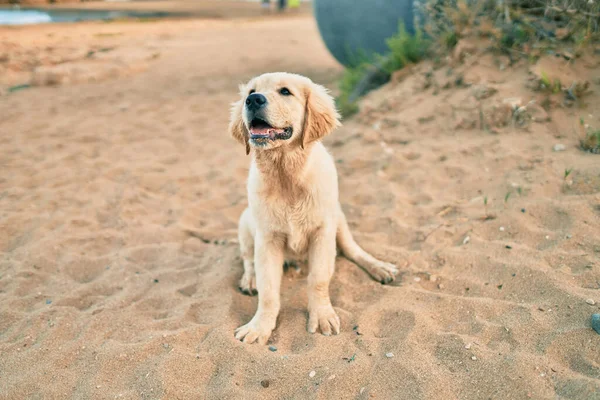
(248, 284)
(255, 331)
(383, 272)
(324, 318)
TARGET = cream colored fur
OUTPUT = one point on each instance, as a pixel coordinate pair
(293, 207)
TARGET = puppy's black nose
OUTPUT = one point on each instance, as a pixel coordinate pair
(255, 101)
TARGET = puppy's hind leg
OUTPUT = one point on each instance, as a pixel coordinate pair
(246, 238)
(380, 271)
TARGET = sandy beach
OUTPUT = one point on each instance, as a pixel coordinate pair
(120, 192)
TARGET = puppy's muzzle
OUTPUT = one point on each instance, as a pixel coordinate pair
(261, 131)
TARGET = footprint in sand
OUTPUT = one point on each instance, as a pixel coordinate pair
(85, 270)
(396, 325)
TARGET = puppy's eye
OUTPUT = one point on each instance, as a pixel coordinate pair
(285, 91)
(252, 91)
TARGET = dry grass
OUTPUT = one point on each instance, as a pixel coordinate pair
(513, 24)
(589, 138)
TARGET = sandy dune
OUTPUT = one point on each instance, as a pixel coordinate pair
(104, 293)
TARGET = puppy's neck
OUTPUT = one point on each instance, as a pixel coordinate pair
(285, 167)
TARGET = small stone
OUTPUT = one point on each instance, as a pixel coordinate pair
(596, 323)
(265, 383)
(569, 236)
(468, 346)
(466, 239)
(417, 279)
(474, 358)
(312, 374)
(98, 387)
(547, 237)
(559, 147)
(362, 390)
(389, 355)
(331, 377)
(591, 302)
(501, 229)
(273, 348)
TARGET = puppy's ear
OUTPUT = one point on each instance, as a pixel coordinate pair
(320, 116)
(237, 128)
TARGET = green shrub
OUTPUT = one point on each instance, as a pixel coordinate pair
(350, 79)
(405, 49)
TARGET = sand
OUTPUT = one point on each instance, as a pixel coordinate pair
(105, 294)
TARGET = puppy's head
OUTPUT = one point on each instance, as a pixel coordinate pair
(281, 109)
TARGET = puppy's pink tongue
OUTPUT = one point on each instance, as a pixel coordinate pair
(265, 131)
(260, 131)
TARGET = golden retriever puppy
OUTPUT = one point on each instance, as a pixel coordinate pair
(293, 208)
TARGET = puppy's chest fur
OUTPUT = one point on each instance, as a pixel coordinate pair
(294, 217)
(286, 205)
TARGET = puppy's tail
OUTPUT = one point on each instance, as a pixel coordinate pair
(379, 270)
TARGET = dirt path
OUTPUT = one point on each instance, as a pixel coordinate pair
(104, 295)
(213, 9)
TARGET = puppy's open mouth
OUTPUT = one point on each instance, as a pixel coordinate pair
(261, 132)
